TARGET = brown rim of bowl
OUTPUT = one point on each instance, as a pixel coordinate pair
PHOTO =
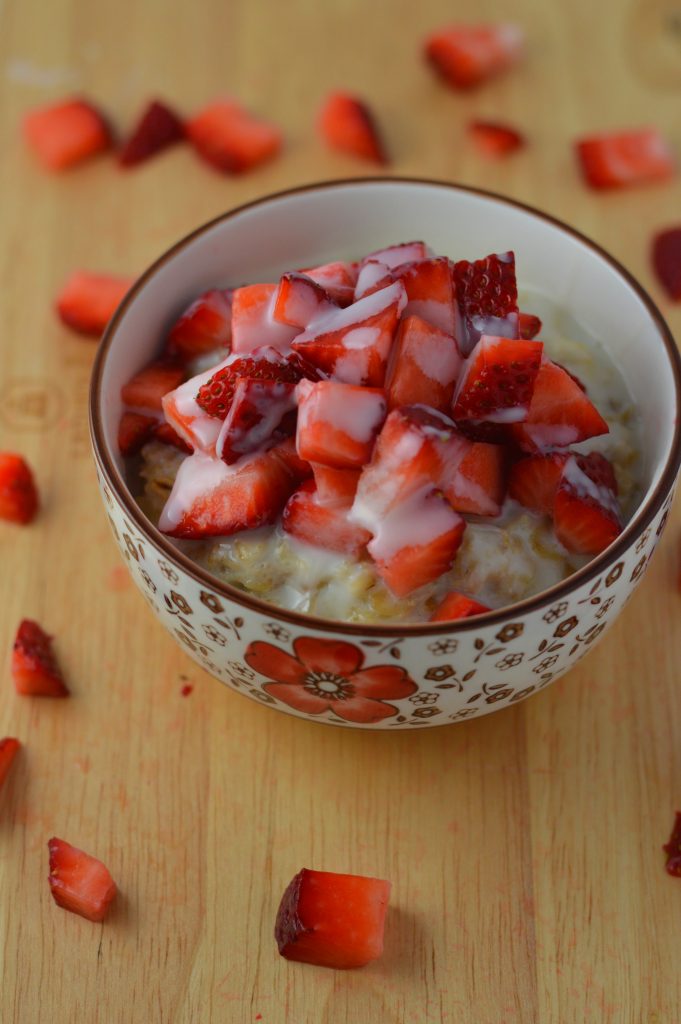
(639, 522)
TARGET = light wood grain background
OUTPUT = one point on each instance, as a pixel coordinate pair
(524, 848)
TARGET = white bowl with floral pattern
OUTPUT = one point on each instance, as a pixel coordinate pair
(425, 674)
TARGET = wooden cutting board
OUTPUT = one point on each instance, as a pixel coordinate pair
(524, 848)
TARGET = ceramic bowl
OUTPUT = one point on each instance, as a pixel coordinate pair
(406, 676)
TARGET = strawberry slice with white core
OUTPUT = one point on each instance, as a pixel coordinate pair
(457, 606)
(559, 414)
(353, 344)
(337, 279)
(373, 275)
(335, 487)
(397, 255)
(586, 515)
(300, 300)
(424, 366)
(308, 519)
(79, 882)
(487, 297)
(205, 325)
(338, 423)
(497, 381)
(255, 417)
(476, 484)
(253, 322)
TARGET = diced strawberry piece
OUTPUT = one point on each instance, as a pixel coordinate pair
(487, 296)
(397, 255)
(204, 326)
(147, 388)
(325, 526)
(353, 344)
(299, 468)
(34, 667)
(158, 128)
(423, 367)
(66, 133)
(529, 325)
(497, 381)
(335, 487)
(79, 882)
(467, 55)
(673, 849)
(9, 748)
(338, 423)
(18, 493)
(346, 123)
(372, 277)
(586, 515)
(182, 412)
(534, 481)
(430, 293)
(457, 606)
(560, 414)
(216, 395)
(300, 300)
(255, 417)
(87, 301)
(495, 139)
(134, 430)
(165, 434)
(210, 498)
(253, 323)
(232, 139)
(625, 158)
(332, 920)
(477, 486)
(667, 261)
(337, 279)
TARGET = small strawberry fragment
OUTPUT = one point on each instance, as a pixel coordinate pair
(253, 323)
(216, 395)
(560, 414)
(9, 748)
(667, 261)
(332, 920)
(79, 882)
(300, 300)
(477, 484)
(347, 124)
(398, 255)
(372, 276)
(467, 55)
(487, 297)
(158, 128)
(204, 326)
(494, 139)
(164, 434)
(529, 325)
(134, 430)
(338, 423)
(457, 606)
(424, 366)
(335, 487)
(625, 158)
(18, 493)
(256, 418)
(66, 133)
(147, 388)
(337, 279)
(533, 481)
(322, 525)
(497, 381)
(673, 849)
(87, 301)
(586, 514)
(231, 139)
(34, 667)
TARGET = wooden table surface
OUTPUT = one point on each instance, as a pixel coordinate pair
(524, 847)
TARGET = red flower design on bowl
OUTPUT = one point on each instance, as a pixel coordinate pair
(327, 675)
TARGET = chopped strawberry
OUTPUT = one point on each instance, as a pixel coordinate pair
(204, 326)
(430, 293)
(372, 276)
(560, 414)
(487, 296)
(158, 128)
(78, 882)
(210, 498)
(232, 139)
(146, 389)
(87, 301)
(625, 158)
(586, 514)
(265, 364)
(332, 920)
(477, 485)
(66, 133)
(534, 481)
(353, 344)
(256, 418)
(667, 261)
(467, 55)
(335, 487)
(34, 667)
(529, 325)
(186, 417)
(497, 381)
(423, 367)
(398, 255)
(337, 279)
(9, 748)
(457, 606)
(338, 423)
(322, 525)
(253, 323)
(673, 849)
(495, 139)
(299, 468)
(18, 493)
(134, 430)
(347, 124)
(301, 300)
(165, 434)
(599, 470)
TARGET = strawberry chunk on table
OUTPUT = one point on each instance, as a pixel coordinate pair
(64, 134)
(19, 501)
(35, 670)
(625, 158)
(79, 882)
